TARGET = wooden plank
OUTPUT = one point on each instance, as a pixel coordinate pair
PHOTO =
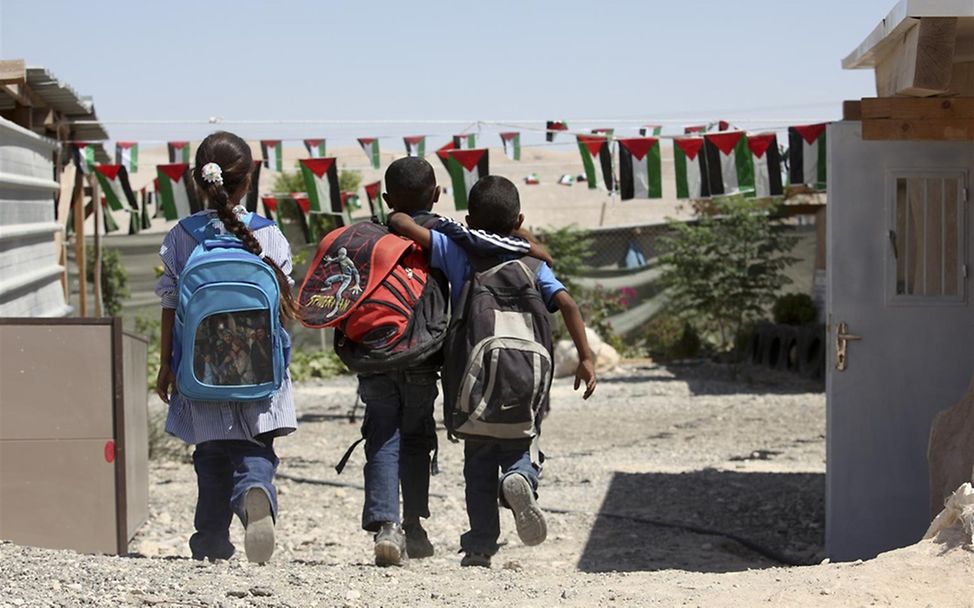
(851, 109)
(913, 108)
(953, 129)
(13, 71)
(962, 79)
(921, 64)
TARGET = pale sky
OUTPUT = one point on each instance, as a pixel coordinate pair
(761, 62)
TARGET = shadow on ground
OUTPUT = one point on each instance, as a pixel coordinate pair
(708, 378)
(781, 515)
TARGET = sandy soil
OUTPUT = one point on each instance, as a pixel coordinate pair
(638, 483)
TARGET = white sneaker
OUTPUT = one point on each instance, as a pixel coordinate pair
(259, 535)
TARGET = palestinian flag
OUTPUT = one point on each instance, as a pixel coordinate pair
(315, 147)
(729, 166)
(608, 133)
(373, 192)
(465, 141)
(176, 192)
(114, 182)
(640, 168)
(146, 218)
(552, 127)
(106, 214)
(135, 224)
(694, 129)
(415, 145)
(512, 145)
(466, 167)
(272, 152)
(806, 155)
(370, 145)
(84, 156)
(596, 158)
(722, 125)
(270, 208)
(127, 153)
(690, 164)
(321, 181)
(767, 164)
(251, 201)
(443, 153)
(178, 151)
(652, 130)
(351, 201)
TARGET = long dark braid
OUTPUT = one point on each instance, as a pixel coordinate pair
(233, 156)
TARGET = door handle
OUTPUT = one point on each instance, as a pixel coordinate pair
(842, 339)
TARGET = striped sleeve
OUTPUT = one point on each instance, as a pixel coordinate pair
(277, 248)
(481, 242)
(166, 285)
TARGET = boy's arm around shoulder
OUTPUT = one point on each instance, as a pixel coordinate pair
(403, 225)
(585, 372)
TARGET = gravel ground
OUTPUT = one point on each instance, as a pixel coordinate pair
(692, 485)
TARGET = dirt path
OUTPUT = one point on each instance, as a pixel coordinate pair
(637, 483)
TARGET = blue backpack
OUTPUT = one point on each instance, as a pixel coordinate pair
(228, 341)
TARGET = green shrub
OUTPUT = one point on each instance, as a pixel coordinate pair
(114, 278)
(794, 309)
(725, 270)
(308, 364)
(149, 327)
(670, 337)
(569, 248)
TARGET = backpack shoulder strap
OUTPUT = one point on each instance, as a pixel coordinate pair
(256, 222)
(196, 225)
(533, 264)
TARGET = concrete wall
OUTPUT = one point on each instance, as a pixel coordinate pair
(30, 277)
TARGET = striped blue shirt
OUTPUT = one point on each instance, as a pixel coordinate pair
(198, 421)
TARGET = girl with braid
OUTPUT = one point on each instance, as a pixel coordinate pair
(234, 457)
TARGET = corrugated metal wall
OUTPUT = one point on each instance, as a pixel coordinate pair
(30, 277)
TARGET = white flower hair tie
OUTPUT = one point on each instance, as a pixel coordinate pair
(212, 174)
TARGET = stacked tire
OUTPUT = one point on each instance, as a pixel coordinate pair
(790, 348)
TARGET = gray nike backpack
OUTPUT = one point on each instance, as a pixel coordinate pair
(497, 372)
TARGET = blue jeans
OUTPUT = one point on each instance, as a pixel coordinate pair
(225, 471)
(400, 434)
(483, 459)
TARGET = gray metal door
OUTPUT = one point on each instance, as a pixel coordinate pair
(901, 329)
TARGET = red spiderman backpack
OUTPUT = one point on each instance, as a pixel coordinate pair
(376, 289)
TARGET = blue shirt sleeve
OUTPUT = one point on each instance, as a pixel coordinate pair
(481, 242)
(449, 257)
(549, 286)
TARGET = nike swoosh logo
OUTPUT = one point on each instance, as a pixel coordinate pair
(508, 407)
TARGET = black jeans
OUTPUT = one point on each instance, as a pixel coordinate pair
(400, 435)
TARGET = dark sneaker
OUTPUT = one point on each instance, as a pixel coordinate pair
(531, 526)
(479, 560)
(418, 543)
(390, 546)
(203, 548)
(259, 534)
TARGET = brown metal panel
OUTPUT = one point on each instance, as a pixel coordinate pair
(58, 494)
(118, 411)
(55, 380)
(136, 403)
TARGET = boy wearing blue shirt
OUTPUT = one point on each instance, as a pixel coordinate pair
(399, 428)
(495, 208)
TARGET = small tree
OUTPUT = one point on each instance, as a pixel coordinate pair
(726, 269)
(569, 248)
(349, 180)
(114, 278)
